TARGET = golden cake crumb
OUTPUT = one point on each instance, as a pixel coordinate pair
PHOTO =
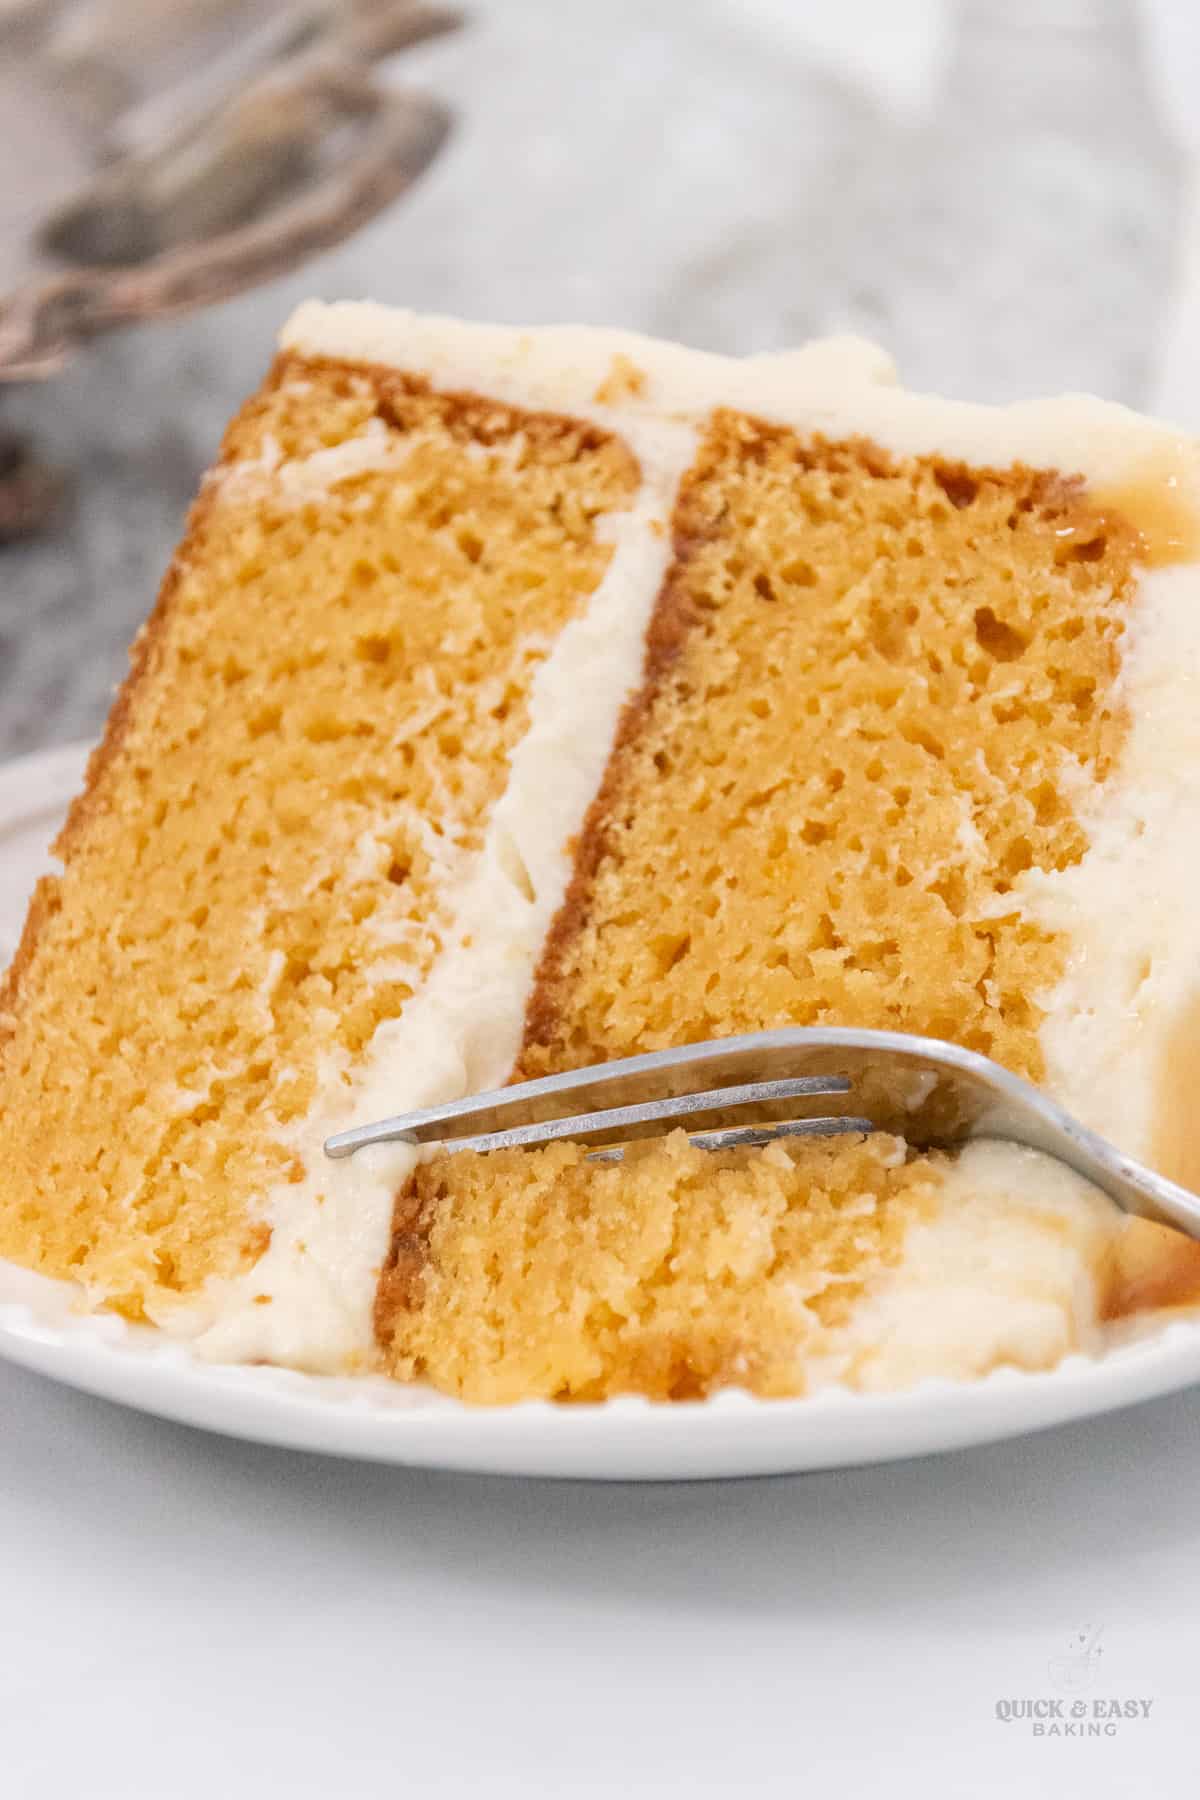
(874, 688)
(541, 1274)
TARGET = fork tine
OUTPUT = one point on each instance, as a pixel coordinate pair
(444, 1124)
(754, 1137)
(624, 1120)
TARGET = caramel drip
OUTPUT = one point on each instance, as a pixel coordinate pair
(1159, 501)
(1156, 1269)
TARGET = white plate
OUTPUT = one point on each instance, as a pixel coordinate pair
(732, 1434)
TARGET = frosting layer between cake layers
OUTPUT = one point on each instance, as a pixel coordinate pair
(1128, 991)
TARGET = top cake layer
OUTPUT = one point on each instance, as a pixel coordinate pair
(913, 686)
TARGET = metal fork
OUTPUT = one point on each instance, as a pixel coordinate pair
(936, 1094)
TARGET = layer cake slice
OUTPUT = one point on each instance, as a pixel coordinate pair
(522, 699)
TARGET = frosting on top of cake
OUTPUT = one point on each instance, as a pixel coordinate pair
(841, 386)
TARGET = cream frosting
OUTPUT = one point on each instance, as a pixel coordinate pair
(1129, 907)
(1010, 1271)
(838, 386)
(1134, 965)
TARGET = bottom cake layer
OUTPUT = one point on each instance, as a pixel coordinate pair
(542, 1275)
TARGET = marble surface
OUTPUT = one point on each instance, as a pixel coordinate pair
(993, 192)
(189, 1618)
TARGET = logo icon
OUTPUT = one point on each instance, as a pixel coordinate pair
(1074, 1672)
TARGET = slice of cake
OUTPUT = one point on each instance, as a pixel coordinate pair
(519, 700)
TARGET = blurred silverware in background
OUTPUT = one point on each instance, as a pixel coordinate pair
(174, 152)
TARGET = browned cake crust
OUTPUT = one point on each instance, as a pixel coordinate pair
(44, 902)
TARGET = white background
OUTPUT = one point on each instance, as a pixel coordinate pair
(187, 1616)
